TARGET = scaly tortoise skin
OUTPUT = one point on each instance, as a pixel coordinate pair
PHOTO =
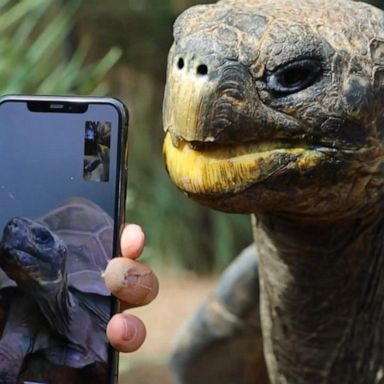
(276, 108)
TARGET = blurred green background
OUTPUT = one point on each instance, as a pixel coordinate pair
(119, 47)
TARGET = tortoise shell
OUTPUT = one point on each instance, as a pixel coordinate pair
(88, 233)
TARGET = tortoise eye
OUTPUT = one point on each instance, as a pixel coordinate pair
(294, 77)
(42, 236)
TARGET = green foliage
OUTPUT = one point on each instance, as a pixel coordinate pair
(33, 50)
(377, 3)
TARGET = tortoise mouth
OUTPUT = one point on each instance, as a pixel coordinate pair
(23, 259)
(212, 168)
(253, 147)
(22, 265)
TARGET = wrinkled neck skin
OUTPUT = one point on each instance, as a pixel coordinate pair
(55, 303)
(322, 298)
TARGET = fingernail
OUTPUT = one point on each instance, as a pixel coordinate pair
(129, 331)
(134, 232)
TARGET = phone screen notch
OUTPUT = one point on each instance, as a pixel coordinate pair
(57, 106)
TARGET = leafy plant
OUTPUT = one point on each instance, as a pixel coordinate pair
(35, 52)
(378, 3)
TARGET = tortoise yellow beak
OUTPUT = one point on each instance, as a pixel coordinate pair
(231, 169)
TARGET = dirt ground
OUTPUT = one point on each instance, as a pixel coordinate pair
(179, 297)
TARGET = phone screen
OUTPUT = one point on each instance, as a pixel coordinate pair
(59, 215)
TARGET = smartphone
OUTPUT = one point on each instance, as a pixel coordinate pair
(63, 164)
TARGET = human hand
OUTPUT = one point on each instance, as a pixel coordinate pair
(135, 285)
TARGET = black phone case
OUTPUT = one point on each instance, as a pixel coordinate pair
(54, 305)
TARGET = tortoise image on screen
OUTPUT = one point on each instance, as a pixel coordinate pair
(276, 108)
(59, 306)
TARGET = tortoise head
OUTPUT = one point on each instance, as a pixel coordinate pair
(277, 106)
(31, 253)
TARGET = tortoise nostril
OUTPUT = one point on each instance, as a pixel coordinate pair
(13, 225)
(202, 69)
(180, 63)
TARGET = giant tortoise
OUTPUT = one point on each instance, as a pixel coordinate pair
(276, 108)
(59, 305)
